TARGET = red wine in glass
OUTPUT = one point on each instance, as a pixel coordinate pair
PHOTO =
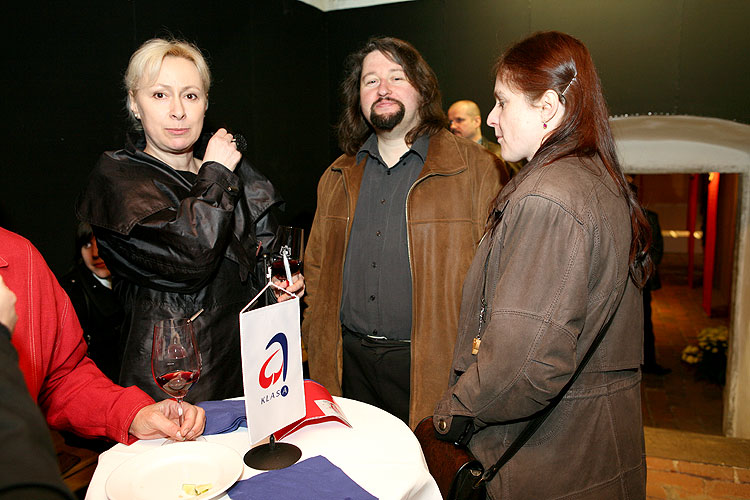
(177, 383)
(277, 268)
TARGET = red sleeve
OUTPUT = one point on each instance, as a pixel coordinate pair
(71, 391)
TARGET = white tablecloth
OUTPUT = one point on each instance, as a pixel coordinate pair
(379, 452)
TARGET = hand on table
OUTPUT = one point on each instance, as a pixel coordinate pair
(7, 306)
(161, 420)
(297, 287)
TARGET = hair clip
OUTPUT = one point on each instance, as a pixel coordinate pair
(571, 81)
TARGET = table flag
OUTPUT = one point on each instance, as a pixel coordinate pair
(271, 348)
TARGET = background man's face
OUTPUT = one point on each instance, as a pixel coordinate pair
(387, 98)
(461, 123)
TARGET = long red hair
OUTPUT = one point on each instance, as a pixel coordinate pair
(555, 61)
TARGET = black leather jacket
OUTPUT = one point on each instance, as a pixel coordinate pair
(173, 248)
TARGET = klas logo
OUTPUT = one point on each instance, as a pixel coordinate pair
(264, 379)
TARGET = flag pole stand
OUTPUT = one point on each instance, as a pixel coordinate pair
(272, 455)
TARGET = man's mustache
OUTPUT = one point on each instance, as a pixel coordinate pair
(381, 99)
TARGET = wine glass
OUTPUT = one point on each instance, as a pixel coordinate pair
(175, 361)
(287, 253)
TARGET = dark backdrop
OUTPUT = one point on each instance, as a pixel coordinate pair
(277, 65)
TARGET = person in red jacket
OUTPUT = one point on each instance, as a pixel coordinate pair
(71, 391)
(28, 464)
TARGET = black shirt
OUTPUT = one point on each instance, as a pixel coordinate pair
(377, 289)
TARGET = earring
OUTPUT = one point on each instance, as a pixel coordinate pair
(544, 125)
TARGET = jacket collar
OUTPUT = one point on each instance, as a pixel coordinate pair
(370, 148)
(135, 142)
(444, 157)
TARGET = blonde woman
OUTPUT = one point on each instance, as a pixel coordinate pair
(179, 229)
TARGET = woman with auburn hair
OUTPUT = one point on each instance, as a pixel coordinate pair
(564, 258)
(180, 218)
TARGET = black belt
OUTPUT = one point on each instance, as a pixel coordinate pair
(373, 338)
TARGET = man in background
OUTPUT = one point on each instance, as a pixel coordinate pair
(466, 121)
(656, 250)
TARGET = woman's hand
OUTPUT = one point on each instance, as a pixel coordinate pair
(297, 287)
(162, 419)
(222, 149)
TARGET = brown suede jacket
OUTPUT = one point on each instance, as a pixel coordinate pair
(554, 272)
(446, 208)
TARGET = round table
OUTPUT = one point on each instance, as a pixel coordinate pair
(379, 452)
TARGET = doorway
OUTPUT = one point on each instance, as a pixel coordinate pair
(664, 144)
(688, 396)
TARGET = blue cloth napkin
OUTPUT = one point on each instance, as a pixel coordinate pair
(223, 416)
(313, 479)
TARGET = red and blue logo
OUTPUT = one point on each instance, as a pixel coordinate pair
(266, 380)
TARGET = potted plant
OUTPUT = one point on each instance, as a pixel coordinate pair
(709, 355)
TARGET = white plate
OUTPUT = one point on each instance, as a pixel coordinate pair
(161, 472)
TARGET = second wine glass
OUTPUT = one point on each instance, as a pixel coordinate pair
(289, 243)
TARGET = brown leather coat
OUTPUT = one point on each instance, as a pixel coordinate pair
(446, 211)
(556, 273)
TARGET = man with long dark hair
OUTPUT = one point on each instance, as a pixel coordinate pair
(398, 219)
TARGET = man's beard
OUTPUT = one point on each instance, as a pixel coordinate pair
(387, 122)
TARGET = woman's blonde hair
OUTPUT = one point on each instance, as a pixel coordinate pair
(146, 61)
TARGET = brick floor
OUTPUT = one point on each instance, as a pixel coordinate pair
(677, 480)
(679, 400)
